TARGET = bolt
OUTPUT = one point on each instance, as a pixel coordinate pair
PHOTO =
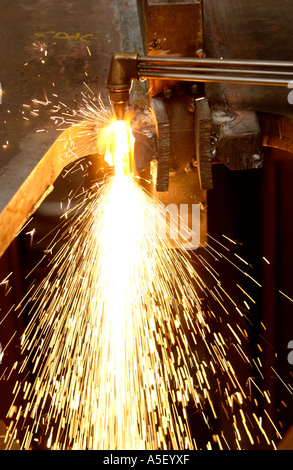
(194, 162)
(256, 157)
(188, 168)
(194, 88)
(256, 160)
(168, 93)
(191, 106)
(214, 139)
(200, 53)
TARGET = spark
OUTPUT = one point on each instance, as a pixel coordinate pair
(230, 239)
(120, 348)
(283, 382)
(285, 295)
(252, 300)
(241, 259)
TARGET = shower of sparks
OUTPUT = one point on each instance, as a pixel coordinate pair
(122, 351)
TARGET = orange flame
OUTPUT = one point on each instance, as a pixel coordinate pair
(117, 144)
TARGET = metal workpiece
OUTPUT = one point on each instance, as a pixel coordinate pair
(67, 148)
(54, 60)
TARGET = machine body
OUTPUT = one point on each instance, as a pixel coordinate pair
(210, 126)
(126, 67)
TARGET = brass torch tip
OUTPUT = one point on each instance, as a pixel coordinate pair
(119, 110)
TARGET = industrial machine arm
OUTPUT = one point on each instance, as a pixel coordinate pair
(127, 67)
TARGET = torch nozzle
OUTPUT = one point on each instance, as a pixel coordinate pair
(119, 110)
(123, 70)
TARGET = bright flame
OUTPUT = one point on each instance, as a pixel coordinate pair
(125, 346)
(117, 143)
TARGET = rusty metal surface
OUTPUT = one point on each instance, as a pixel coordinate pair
(239, 141)
(40, 182)
(79, 38)
(171, 28)
(176, 28)
(163, 144)
(203, 131)
(249, 30)
(277, 131)
(52, 52)
(184, 183)
(184, 188)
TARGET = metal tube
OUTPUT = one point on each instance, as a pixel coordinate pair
(166, 68)
(190, 61)
(253, 72)
(197, 76)
(126, 67)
